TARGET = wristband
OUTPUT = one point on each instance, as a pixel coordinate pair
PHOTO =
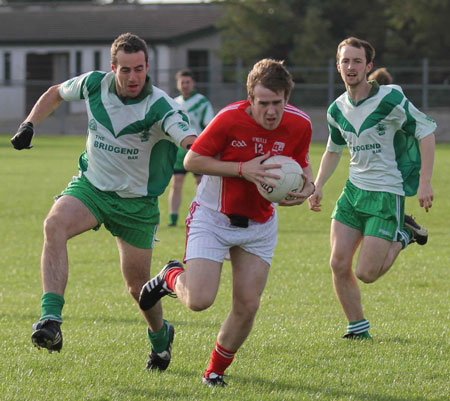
(314, 190)
(240, 170)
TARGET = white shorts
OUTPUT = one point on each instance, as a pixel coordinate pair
(210, 235)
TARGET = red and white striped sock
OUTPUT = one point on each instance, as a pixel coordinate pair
(220, 360)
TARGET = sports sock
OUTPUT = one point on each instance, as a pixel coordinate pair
(220, 360)
(405, 241)
(159, 339)
(51, 306)
(173, 219)
(171, 277)
(360, 327)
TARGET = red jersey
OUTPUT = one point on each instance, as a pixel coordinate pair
(235, 136)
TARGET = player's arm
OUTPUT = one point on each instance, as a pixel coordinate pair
(177, 126)
(251, 170)
(328, 164)
(425, 191)
(46, 104)
(187, 142)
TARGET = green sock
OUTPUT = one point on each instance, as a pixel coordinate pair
(360, 328)
(173, 217)
(51, 306)
(159, 339)
(403, 240)
(364, 335)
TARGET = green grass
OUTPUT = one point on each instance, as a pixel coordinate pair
(294, 351)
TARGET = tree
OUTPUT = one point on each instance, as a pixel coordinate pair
(418, 29)
(307, 32)
(254, 29)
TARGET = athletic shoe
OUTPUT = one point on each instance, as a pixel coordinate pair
(419, 233)
(214, 380)
(157, 288)
(161, 361)
(359, 336)
(47, 334)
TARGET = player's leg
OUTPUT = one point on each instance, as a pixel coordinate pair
(135, 265)
(344, 242)
(376, 257)
(249, 279)
(384, 236)
(197, 286)
(175, 197)
(134, 221)
(67, 218)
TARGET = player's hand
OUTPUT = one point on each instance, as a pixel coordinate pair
(314, 200)
(425, 195)
(254, 171)
(23, 137)
(297, 198)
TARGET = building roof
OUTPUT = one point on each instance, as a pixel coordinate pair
(89, 23)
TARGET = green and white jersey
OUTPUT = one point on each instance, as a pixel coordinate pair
(131, 147)
(199, 109)
(381, 133)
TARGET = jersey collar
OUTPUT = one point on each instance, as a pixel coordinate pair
(373, 91)
(193, 93)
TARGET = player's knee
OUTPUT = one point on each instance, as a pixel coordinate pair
(340, 266)
(52, 228)
(199, 302)
(247, 309)
(366, 276)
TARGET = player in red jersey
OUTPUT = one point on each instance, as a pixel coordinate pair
(228, 213)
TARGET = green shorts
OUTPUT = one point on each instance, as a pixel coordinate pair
(377, 214)
(135, 220)
(178, 167)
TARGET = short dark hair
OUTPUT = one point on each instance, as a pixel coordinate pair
(382, 76)
(129, 43)
(358, 43)
(272, 74)
(184, 73)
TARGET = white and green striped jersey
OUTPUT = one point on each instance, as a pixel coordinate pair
(131, 147)
(381, 133)
(199, 109)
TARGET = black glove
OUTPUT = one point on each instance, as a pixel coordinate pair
(23, 137)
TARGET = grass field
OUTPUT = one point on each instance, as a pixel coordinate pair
(295, 351)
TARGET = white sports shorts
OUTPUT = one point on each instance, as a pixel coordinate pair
(210, 235)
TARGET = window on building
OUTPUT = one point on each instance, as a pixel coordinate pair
(198, 63)
(78, 63)
(7, 68)
(97, 60)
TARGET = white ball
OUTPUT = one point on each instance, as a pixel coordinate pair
(291, 179)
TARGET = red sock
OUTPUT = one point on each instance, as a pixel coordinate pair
(220, 360)
(171, 276)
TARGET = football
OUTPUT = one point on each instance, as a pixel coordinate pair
(291, 179)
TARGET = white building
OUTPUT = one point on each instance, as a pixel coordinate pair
(44, 44)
